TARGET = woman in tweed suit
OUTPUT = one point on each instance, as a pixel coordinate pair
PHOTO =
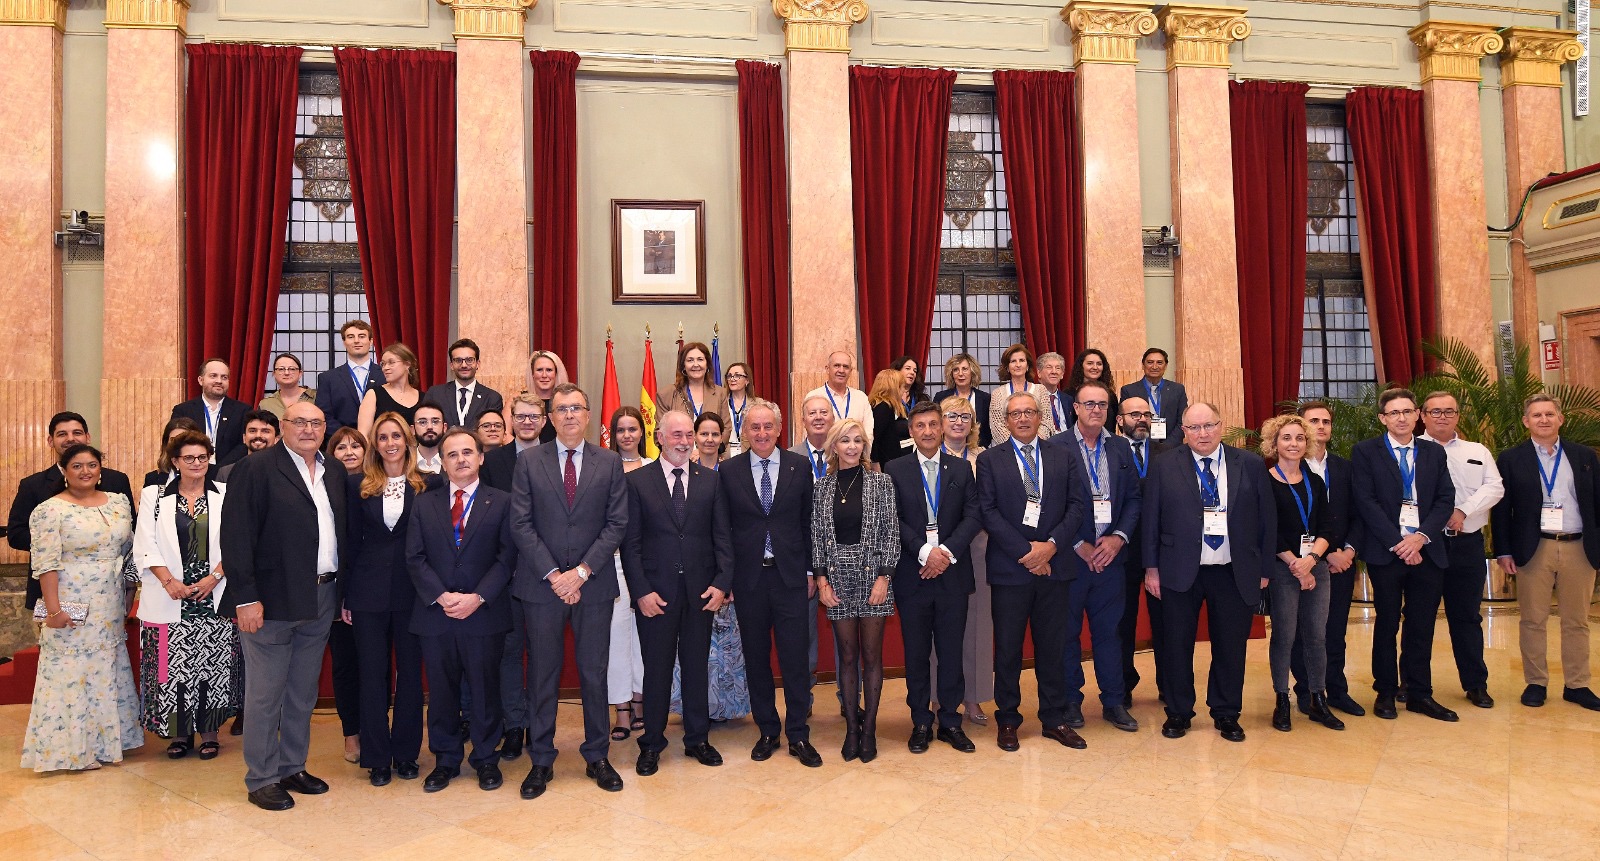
(855, 544)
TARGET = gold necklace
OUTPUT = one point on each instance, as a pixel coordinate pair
(846, 493)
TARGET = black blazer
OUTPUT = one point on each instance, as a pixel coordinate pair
(1376, 494)
(484, 400)
(35, 489)
(980, 407)
(551, 536)
(789, 522)
(1515, 518)
(338, 397)
(1174, 400)
(677, 559)
(891, 434)
(1126, 488)
(1174, 519)
(269, 534)
(1133, 555)
(482, 563)
(230, 425)
(958, 520)
(372, 572)
(1342, 524)
(500, 467)
(1003, 499)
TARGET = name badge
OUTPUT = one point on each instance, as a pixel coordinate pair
(905, 443)
(733, 447)
(1306, 543)
(1158, 428)
(1409, 516)
(1102, 510)
(1030, 514)
(932, 536)
(1216, 522)
(1550, 518)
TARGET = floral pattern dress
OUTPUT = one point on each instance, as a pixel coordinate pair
(85, 704)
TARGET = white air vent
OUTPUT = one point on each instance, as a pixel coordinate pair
(1571, 210)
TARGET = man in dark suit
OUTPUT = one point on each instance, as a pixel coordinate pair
(678, 558)
(1210, 525)
(464, 399)
(527, 421)
(459, 552)
(1134, 425)
(816, 419)
(1547, 533)
(569, 508)
(339, 391)
(769, 511)
(1033, 503)
(1099, 552)
(281, 532)
(67, 429)
(937, 500)
(219, 416)
(1403, 496)
(1336, 473)
(1168, 401)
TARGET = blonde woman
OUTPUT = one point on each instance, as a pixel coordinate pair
(891, 431)
(961, 379)
(545, 372)
(977, 647)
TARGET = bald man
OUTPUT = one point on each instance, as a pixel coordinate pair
(846, 402)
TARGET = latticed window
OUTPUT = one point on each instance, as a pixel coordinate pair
(1336, 359)
(976, 309)
(321, 286)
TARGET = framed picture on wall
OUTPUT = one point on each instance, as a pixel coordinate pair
(658, 252)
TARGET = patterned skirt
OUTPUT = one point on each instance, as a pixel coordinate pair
(190, 677)
(852, 584)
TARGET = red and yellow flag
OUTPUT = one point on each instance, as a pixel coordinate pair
(647, 403)
(610, 399)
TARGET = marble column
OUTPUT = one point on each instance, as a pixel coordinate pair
(1451, 54)
(31, 389)
(492, 291)
(1530, 80)
(1104, 37)
(143, 374)
(1206, 297)
(821, 217)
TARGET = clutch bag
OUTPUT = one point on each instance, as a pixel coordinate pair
(77, 611)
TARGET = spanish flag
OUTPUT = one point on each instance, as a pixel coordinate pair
(647, 403)
(610, 400)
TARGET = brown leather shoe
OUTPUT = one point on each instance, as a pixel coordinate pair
(1006, 737)
(1066, 736)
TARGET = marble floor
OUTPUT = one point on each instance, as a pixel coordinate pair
(1511, 782)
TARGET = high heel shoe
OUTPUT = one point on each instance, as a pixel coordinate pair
(868, 747)
(1280, 714)
(1320, 712)
(850, 748)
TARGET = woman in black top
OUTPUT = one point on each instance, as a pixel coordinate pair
(1299, 583)
(545, 372)
(400, 393)
(1091, 364)
(891, 433)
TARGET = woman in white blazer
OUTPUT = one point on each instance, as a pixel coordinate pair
(190, 676)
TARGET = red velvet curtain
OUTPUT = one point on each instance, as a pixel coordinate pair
(400, 134)
(764, 227)
(1389, 143)
(1269, 220)
(899, 125)
(238, 150)
(1043, 166)
(555, 205)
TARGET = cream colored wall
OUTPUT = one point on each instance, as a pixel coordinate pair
(83, 131)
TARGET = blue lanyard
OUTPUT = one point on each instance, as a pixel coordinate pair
(1093, 457)
(211, 422)
(1210, 484)
(933, 495)
(1549, 479)
(361, 388)
(818, 469)
(1305, 510)
(1055, 408)
(829, 392)
(1142, 463)
(1155, 397)
(689, 394)
(1408, 475)
(737, 415)
(465, 510)
(1032, 476)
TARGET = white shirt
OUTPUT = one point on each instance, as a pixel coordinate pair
(561, 460)
(363, 372)
(922, 554)
(1477, 480)
(1407, 452)
(431, 465)
(811, 455)
(327, 536)
(394, 500)
(471, 492)
(1564, 494)
(667, 468)
(1038, 461)
(461, 414)
(852, 405)
(1221, 555)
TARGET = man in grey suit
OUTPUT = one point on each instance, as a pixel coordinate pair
(569, 512)
(816, 418)
(464, 399)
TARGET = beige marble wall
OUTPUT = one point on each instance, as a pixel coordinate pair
(1112, 242)
(1461, 242)
(1534, 148)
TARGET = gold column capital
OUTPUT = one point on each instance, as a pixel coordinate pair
(819, 25)
(490, 19)
(34, 13)
(1452, 50)
(147, 14)
(1533, 56)
(1200, 35)
(1104, 32)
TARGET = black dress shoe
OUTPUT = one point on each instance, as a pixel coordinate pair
(1429, 707)
(1175, 727)
(1303, 704)
(304, 783)
(1384, 707)
(803, 751)
(1118, 717)
(538, 778)
(1583, 697)
(919, 739)
(1533, 696)
(1006, 737)
(271, 797)
(704, 754)
(1345, 703)
(1480, 698)
(439, 778)
(1320, 713)
(1401, 695)
(1281, 720)
(237, 728)
(1127, 701)
(407, 770)
(511, 744)
(1229, 728)
(649, 762)
(1075, 715)
(604, 776)
(489, 777)
(379, 776)
(1066, 736)
(765, 746)
(957, 739)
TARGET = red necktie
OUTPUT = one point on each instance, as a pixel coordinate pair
(570, 478)
(457, 514)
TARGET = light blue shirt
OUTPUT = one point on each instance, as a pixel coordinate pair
(1565, 493)
(561, 459)
(772, 470)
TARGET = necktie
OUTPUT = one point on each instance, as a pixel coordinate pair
(1032, 470)
(457, 512)
(462, 406)
(1208, 498)
(679, 497)
(818, 467)
(1138, 457)
(1407, 492)
(569, 478)
(931, 470)
(766, 503)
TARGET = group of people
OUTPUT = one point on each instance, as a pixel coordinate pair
(981, 518)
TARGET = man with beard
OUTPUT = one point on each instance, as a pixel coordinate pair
(1134, 424)
(219, 416)
(260, 431)
(428, 424)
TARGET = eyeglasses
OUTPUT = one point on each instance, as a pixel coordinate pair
(1146, 416)
(735, 375)
(1207, 427)
(958, 417)
(1094, 405)
(491, 426)
(1449, 412)
(285, 369)
(1022, 414)
(466, 361)
(302, 424)
(527, 419)
(571, 409)
(1399, 414)
(428, 423)
(193, 459)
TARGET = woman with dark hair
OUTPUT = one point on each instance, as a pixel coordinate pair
(1091, 364)
(914, 388)
(85, 706)
(399, 393)
(286, 373)
(545, 372)
(708, 430)
(164, 471)
(1017, 372)
(693, 391)
(740, 391)
(625, 673)
(349, 448)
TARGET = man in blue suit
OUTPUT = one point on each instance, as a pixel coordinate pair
(1403, 497)
(1107, 468)
(460, 554)
(1033, 504)
(1210, 526)
(339, 391)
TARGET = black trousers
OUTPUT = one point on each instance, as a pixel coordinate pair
(774, 614)
(933, 620)
(1342, 589)
(1039, 605)
(1412, 592)
(1463, 596)
(346, 672)
(451, 660)
(546, 624)
(681, 634)
(1228, 620)
(387, 650)
(1128, 627)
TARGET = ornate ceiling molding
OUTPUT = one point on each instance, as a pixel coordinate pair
(1533, 56)
(1201, 35)
(819, 25)
(1107, 32)
(1453, 50)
